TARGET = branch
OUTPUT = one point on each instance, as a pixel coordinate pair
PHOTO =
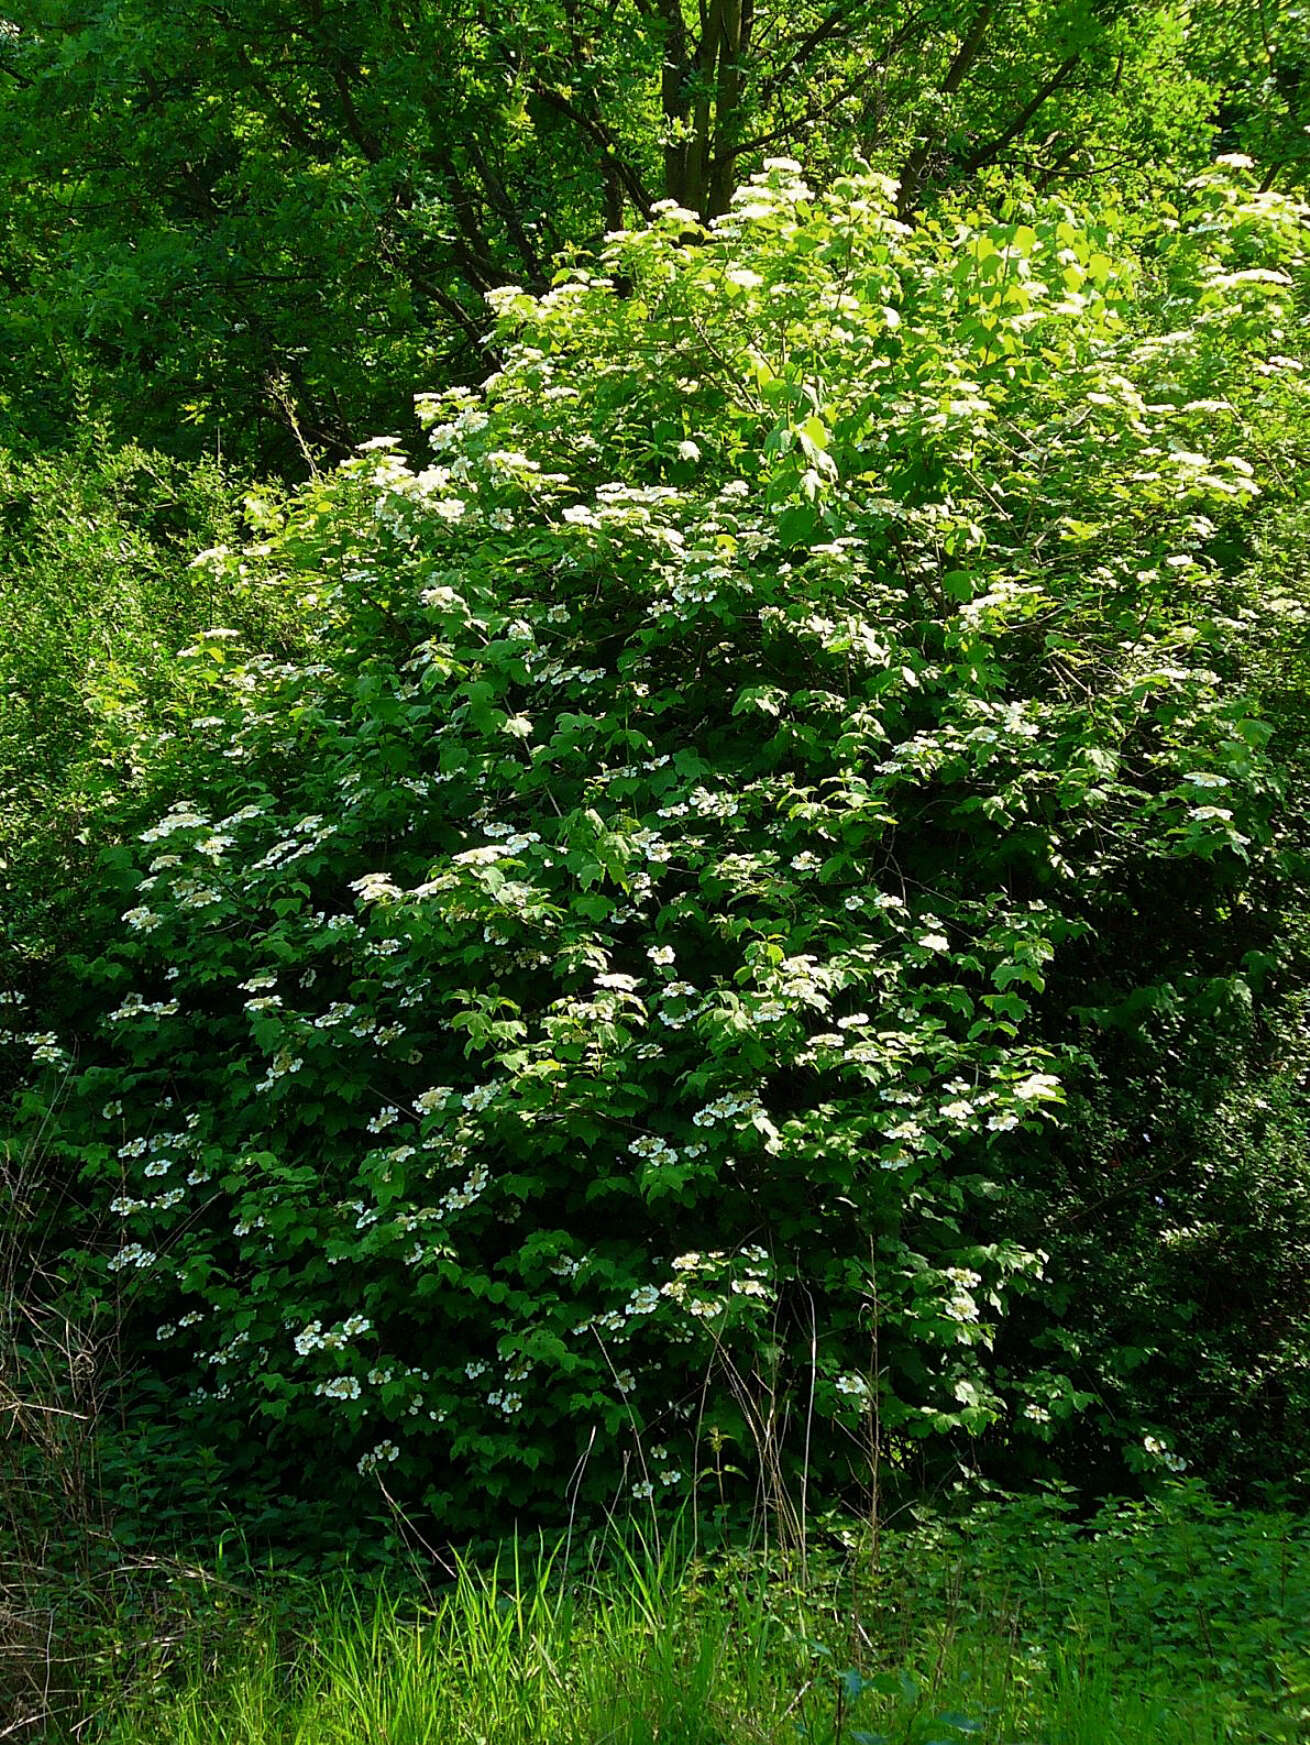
(293, 129)
(839, 22)
(988, 154)
(968, 51)
(597, 131)
(786, 128)
(501, 202)
(362, 137)
(912, 174)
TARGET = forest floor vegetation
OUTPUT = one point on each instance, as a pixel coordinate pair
(1175, 1622)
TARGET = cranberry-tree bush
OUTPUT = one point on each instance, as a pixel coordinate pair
(587, 1011)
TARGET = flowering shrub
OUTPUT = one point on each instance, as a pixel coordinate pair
(613, 968)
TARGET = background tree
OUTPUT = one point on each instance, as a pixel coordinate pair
(248, 230)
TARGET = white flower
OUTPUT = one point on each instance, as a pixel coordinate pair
(1159, 1451)
(310, 1339)
(661, 954)
(375, 887)
(853, 1384)
(132, 1255)
(688, 451)
(643, 1490)
(1038, 1086)
(341, 1387)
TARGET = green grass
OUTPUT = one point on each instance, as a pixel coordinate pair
(1018, 1629)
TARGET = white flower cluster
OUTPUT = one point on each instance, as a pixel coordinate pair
(46, 1049)
(1159, 1451)
(142, 919)
(428, 1102)
(179, 817)
(697, 1287)
(657, 1152)
(313, 1338)
(710, 805)
(727, 1108)
(283, 1063)
(136, 1005)
(475, 1183)
(376, 887)
(132, 1255)
(341, 1387)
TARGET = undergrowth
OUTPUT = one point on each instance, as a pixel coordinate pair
(1178, 1622)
